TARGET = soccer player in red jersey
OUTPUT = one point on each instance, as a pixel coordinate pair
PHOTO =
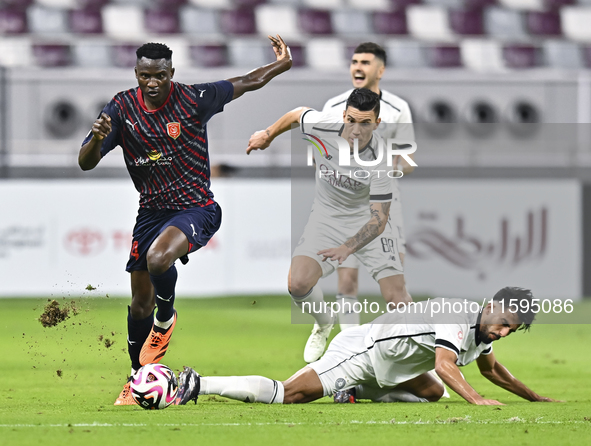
(161, 127)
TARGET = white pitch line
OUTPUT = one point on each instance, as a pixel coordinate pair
(419, 422)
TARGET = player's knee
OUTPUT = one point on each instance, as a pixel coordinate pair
(299, 286)
(435, 393)
(158, 262)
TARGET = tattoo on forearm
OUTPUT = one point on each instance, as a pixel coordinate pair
(372, 228)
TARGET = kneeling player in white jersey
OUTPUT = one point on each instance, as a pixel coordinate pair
(368, 65)
(388, 360)
(350, 211)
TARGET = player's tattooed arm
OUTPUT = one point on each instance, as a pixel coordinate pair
(90, 153)
(373, 228)
(259, 77)
(263, 138)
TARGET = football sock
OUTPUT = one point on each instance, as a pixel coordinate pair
(164, 287)
(137, 333)
(313, 303)
(348, 317)
(380, 395)
(249, 389)
(164, 324)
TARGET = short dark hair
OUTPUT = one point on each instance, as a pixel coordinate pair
(154, 51)
(523, 298)
(365, 100)
(372, 48)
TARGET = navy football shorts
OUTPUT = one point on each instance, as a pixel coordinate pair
(199, 224)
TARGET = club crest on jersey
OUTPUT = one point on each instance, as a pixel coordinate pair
(173, 129)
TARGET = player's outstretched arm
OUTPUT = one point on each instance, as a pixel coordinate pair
(448, 371)
(90, 153)
(373, 228)
(498, 374)
(259, 77)
(263, 138)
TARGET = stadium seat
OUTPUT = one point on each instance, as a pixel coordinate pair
(406, 54)
(315, 21)
(555, 5)
(428, 23)
(238, 22)
(521, 56)
(444, 56)
(504, 23)
(298, 55)
(273, 19)
(162, 20)
(61, 4)
(324, 4)
(94, 54)
(575, 22)
(86, 21)
(52, 55)
(526, 5)
(123, 22)
(15, 51)
(13, 21)
(197, 21)
(543, 23)
(169, 3)
(209, 55)
(250, 53)
(370, 5)
(140, 3)
(214, 4)
(351, 23)
(16, 4)
(124, 55)
(478, 4)
(95, 5)
(247, 3)
(482, 55)
(562, 54)
(447, 4)
(325, 54)
(402, 4)
(586, 50)
(466, 21)
(390, 23)
(42, 20)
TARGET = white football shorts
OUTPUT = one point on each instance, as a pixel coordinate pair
(381, 256)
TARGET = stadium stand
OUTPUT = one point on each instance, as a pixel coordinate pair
(431, 34)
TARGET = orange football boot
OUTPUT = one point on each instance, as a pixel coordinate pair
(157, 343)
(125, 398)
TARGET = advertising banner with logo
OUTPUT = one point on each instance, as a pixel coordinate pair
(58, 237)
(469, 238)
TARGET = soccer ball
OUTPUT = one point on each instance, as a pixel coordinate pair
(154, 387)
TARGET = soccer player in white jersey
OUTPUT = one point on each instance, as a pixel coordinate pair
(350, 211)
(388, 360)
(367, 68)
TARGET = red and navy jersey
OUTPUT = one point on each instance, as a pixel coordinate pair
(165, 150)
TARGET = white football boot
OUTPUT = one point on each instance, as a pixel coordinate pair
(317, 341)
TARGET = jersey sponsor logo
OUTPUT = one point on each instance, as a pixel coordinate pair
(317, 142)
(173, 129)
(201, 93)
(460, 335)
(194, 232)
(154, 155)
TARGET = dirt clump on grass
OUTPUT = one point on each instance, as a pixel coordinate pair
(53, 313)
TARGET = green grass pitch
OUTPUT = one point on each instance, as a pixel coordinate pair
(254, 336)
